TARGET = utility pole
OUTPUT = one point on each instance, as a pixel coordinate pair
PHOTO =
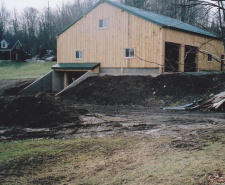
(48, 18)
(48, 27)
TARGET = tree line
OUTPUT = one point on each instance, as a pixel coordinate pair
(37, 29)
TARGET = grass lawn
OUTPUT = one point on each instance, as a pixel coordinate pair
(109, 160)
(18, 70)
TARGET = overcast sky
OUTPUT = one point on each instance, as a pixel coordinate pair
(19, 5)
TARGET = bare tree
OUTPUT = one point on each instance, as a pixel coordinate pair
(4, 19)
(15, 26)
(29, 27)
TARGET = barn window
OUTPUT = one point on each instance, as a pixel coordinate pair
(210, 58)
(102, 23)
(129, 52)
(79, 54)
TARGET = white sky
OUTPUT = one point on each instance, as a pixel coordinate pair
(19, 5)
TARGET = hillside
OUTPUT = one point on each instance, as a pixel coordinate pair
(145, 90)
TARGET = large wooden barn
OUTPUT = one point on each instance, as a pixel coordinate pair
(128, 40)
(116, 39)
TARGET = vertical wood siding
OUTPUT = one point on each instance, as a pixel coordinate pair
(204, 44)
(125, 30)
(107, 45)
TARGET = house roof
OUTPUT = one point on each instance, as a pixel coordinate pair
(76, 66)
(11, 43)
(158, 19)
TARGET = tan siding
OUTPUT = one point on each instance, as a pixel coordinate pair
(207, 45)
(107, 45)
(125, 30)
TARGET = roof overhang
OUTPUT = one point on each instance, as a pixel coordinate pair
(75, 66)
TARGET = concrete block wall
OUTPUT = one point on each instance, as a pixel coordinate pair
(57, 81)
(43, 84)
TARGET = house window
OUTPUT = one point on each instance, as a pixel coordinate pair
(79, 55)
(210, 58)
(129, 53)
(102, 23)
(3, 45)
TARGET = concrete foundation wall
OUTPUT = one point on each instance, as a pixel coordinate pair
(43, 84)
(130, 71)
(53, 82)
(57, 81)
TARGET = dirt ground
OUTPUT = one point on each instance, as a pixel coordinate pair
(107, 106)
(115, 106)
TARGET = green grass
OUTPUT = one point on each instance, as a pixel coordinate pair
(109, 160)
(19, 70)
(17, 150)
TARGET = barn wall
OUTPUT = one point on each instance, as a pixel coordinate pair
(125, 30)
(204, 44)
(107, 45)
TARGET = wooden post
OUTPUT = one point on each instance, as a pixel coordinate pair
(162, 51)
(181, 58)
(66, 80)
(222, 62)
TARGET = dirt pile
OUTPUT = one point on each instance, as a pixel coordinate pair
(13, 87)
(146, 90)
(39, 111)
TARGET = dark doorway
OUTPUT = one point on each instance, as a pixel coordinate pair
(72, 76)
(190, 59)
(172, 51)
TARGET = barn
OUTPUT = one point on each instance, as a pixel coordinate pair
(129, 41)
(116, 39)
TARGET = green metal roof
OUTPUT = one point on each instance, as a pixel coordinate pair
(76, 66)
(160, 20)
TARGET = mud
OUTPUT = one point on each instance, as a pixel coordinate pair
(127, 106)
(187, 126)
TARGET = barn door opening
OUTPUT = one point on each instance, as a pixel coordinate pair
(72, 76)
(172, 51)
(190, 59)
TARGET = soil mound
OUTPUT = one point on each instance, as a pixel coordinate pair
(146, 90)
(39, 111)
(13, 87)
